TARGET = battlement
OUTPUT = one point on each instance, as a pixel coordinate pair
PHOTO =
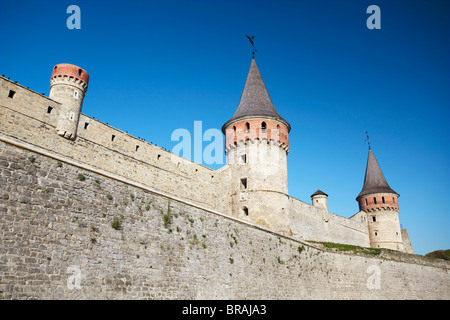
(70, 73)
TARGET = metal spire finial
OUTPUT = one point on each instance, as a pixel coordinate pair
(252, 43)
(367, 139)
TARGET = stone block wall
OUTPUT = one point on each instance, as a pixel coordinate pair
(26, 118)
(58, 242)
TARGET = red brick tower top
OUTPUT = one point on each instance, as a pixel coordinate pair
(71, 71)
(256, 118)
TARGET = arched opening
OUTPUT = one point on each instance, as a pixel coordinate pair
(234, 131)
(245, 210)
(247, 127)
(382, 199)
(79, 72)
(263, 126)
(374, 200)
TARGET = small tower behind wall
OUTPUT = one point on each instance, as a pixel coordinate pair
(319, 200)
(68, 86)
(380, 203)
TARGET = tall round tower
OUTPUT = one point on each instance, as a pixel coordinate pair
(380, 203)
(68, 85)
(256, 145)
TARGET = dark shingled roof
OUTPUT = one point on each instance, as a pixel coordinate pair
(255, 100)
(319, 193)
(374, 181)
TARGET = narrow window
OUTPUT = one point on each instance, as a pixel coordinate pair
(244, 158)
(393, 199)
(159, 156)
(247, 127)
(137, 147)
(75, 94)
(317, 200)
(243, 183)
(376, 233)
(374, 219)
(382, 199)
(86, 124)
(263, 126)
(49, 110)
(366, 201)
(234, 131)
(79, 72)
(245, 209)
(374, 200)
(113, 137)
(11, 94)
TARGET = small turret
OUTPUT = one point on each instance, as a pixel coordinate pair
(68, 86)
(319, 200)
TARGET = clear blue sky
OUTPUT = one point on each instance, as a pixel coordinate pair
(156, 66)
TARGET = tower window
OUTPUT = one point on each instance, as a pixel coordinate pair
(382, 199)
(137, 147)
(244, 158)
(366, 201)
(11, 94)
(234, 131)
(393, 199)
(79, 72)
(374, 200)
(376, 233)
(263, 126)
(247, 127)
(49, 110)
(75, 94)
(243, 183)
(113, 137)
(86, 124)
(374, 219)
(245, 209)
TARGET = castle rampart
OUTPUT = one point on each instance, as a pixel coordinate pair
(56, 228)
(137, 221)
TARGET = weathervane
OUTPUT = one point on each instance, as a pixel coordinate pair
(253, 45)
(367, 139)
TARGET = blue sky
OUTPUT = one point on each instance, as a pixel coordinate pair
(157, 66)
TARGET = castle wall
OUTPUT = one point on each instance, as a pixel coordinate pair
(25, 118)
(58, 243)
(311, 223)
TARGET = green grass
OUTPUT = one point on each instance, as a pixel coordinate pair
(439, 254)
(348, 247)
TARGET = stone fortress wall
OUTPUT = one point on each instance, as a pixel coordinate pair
(32, 118)
(53, 222)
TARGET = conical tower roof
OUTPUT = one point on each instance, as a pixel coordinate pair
(255, 100)
(374, 181)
